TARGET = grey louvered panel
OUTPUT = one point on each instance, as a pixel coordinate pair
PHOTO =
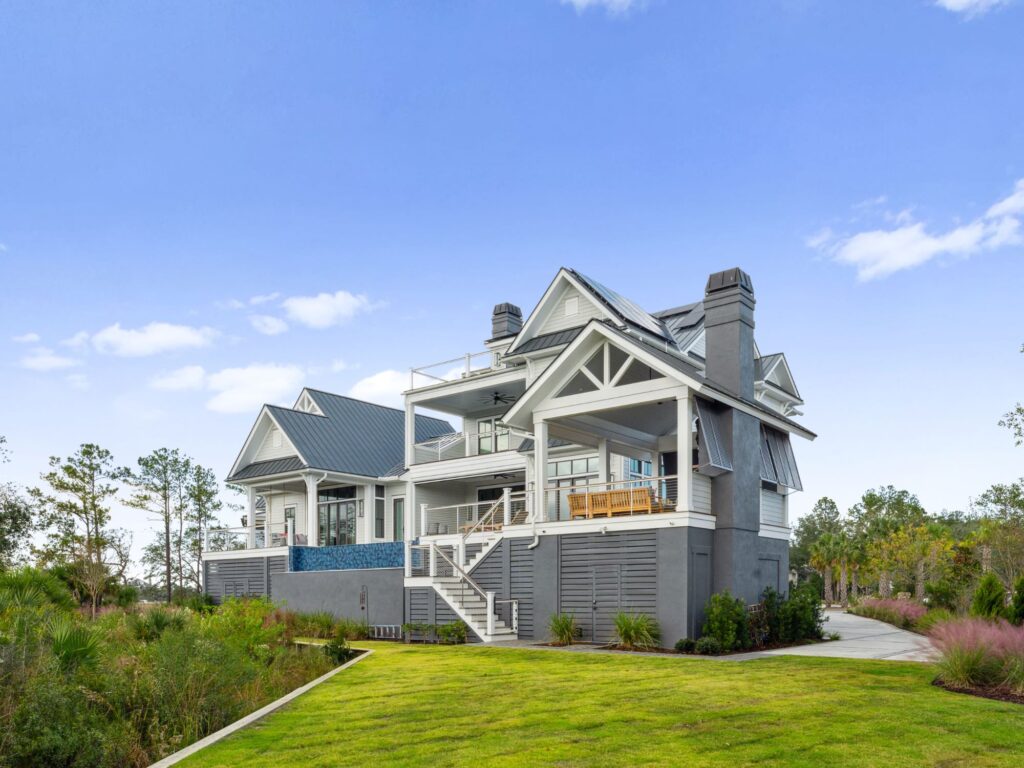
(601, 575)
(767, 466)
(419, 605)
(778, 464)
(236, 578)
(522, 584)
(711, 449)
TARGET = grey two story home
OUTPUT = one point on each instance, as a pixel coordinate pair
(593, 458)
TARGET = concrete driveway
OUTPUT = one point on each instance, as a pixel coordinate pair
(861, 639)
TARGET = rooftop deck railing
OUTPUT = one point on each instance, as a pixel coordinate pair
(451, 370)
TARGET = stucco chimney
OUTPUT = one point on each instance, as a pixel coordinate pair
(507, 320)
(729, 331)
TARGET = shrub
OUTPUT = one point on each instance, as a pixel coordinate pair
(686, 645)
(926, 623)
(73, 644)
(942, 594)
(563, 628)
(901, 613)
(978, 653)
(1016, 611)
(636, 630)
(338, 650)
(420, 628)
(454, 633)
(151, 624)
(989, 600)
(726, 621)
(126, 597)
(319, 624)
(353, 629)
(37, 587)
(708, 646)
(800, 615)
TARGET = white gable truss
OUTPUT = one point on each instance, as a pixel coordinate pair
(567, 303)
(603, 370)
(266, 441)
(307, 404)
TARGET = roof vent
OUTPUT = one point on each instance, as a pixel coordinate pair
(507, 320)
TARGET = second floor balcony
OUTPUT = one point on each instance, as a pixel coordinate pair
(459, 445)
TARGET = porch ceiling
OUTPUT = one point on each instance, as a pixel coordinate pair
(470, 396)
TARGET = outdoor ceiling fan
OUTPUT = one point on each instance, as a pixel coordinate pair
(498, 398)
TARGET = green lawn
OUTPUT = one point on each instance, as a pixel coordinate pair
(463, 705)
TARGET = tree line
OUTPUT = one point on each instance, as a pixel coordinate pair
(72, 510)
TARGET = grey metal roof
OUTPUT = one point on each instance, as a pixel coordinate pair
(684, 323)
(624, 308)
(352, 437)
(269, 467)
(764, 363)
(549, 340)
(553, 442)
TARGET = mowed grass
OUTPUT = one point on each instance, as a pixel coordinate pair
(463, 705)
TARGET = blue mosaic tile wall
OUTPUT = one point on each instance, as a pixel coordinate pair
(387, 554)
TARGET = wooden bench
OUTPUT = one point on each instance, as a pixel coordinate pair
(626, 501)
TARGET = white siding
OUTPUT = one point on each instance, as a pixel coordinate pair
(268, 449)
(276, 503)
(773, 508)
(701, 493)
(557, 320)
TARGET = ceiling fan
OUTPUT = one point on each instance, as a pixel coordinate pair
(498, 398)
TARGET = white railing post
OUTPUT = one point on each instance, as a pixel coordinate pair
(515, 616)
(506, 503)
(460, 552)
(433, 561)
(289, 532)
(423, 519)
(408, 559)
(490, 613)
(469, 363)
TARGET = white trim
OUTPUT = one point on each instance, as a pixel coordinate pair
(768, 531)
(264, 411)
(595, 525)
(244, 554)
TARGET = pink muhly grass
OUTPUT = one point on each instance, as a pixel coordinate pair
(902, 613)
(980, 653)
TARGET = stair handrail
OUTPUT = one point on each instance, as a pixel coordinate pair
(498, 504)
(458, 569)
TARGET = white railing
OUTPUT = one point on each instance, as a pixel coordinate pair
(451, 370)
(459, 445)
(434, 561)
(261, 537)
(640, 496)
(475, 517)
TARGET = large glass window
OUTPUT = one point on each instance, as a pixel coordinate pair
(337, 521)
(564, 475)
(492, 436)
(398, 518)
(378, 511)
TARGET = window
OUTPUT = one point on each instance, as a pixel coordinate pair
(398, 518)
(566, 474)
(378, 511)
(637, 469)
(333, 494)
(492, 436)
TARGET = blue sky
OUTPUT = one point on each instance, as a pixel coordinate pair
(175, 175)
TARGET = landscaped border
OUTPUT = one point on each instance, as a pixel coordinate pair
(252, 717)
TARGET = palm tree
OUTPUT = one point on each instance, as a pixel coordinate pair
(823, 560)
(843, 549)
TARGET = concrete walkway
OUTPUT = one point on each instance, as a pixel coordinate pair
(861, 639)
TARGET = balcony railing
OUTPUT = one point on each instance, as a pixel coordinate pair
(459, 445)
(475, 517)
(239, 538)
(451, 370)
(624, 498)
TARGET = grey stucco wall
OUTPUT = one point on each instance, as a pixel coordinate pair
(337, 592)
(773, 564)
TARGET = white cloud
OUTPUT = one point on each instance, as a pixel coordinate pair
(26, 338)
(77, 341)
(340, 365)
(268, 325)
(246, 389)
(151, 339)
(881, 252)
(43, 359)
(613, 7)
(78, 380)
(384, 388)
(970, 8)
(230, 304)
(326, 309)
(188, 377)
(264, 298)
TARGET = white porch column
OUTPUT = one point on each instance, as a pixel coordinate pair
(410, 433)
(369, 511)
(409, 526)
(266, 519)
(407, 546)
(312, 516)
(684, 453)
(250, 515)
(603, 458)
(423, 520)
(506, 506)
(540, 470)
